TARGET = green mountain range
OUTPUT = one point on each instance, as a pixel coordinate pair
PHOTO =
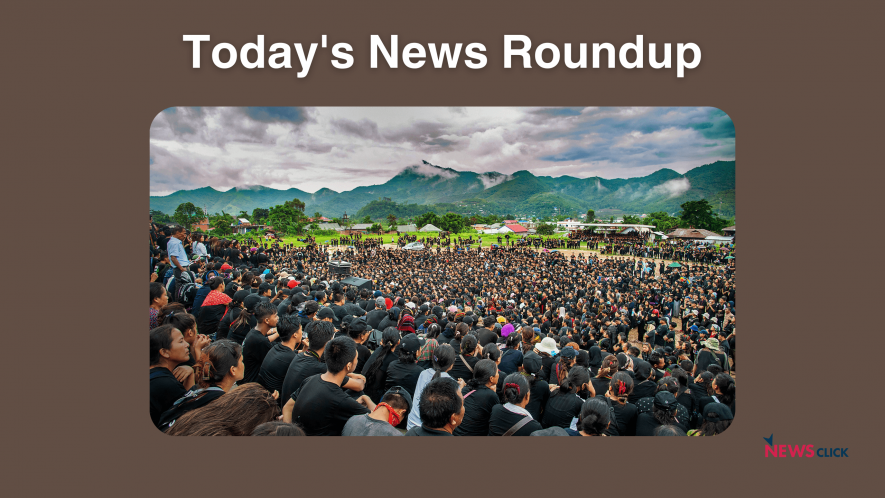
(520, 194)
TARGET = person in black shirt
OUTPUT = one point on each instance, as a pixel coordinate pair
(320, 406)
(608, 368)
(358, 330)
(168, 351)
(246, 320)
(663, 413)
(624, 423)
(645, 387)
(308, 363)
(464, 362)
(514, 414)
(276, 362)
(564, 404)
(376, 366)
(479, 399)
(539, 388)
(258, 340)
(441, 408)
(487, 334)
(375, 316)
(404, 370)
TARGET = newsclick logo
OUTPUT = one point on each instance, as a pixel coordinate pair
(800, 451)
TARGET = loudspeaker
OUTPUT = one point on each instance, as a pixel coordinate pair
(339, 268)
(359, 283)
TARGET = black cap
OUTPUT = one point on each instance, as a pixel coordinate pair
(402, 392)
(251, 302)
(325, 312)
(241, 295)
(531, 362)
(665, 399)
(360, 325)
(717, 411)
(410, 343)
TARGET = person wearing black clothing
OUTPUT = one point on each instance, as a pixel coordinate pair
(608, 368)
(466, 361)
(441, 408)
(487, 335)
(616, 397)
(565, 404)
(390, 320)
(320, 406)
(479, 399)
(258, 341)
(645, 387)
(506, 417)
(710, 355)
(539, 388)
(404, 371)
(276, 362)
(359, 330)
(376, 366)
(663, 413)
(168, 351)
(308, 363)
(375, 316)
(245, 321)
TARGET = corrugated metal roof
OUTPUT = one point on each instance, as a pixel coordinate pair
(691, 233)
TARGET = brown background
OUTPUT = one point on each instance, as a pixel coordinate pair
(801, 80)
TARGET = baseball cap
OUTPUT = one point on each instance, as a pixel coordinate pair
(251, 302)
(665, 399)
(717, 411)
(360, 325)
(410, 343)
(325, 312)
(531, 362)
(568, 352)
(402, 392)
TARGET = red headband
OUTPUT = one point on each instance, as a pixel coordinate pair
(515, 386)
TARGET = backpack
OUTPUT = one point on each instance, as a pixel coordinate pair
(186, 289)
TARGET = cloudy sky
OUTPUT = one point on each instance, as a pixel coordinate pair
(342, 148)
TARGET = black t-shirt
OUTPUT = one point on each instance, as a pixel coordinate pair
(540, 393)
(561, 408)
(304, 365)
(255, 348)
(600, 385)
(646, 424)
(511, 360)
(274, 367)
(459, 369)
(165, 390)
(641, 390)
(403, 375)
(322, 408)
(363, 354)
(503, 419)
(486, 336)
(626, 416)
(477, 411)
(420, 430)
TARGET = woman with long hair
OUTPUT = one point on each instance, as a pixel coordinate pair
(513, 417)
(619, 389)
(468, 357)
(512, 355)
(479, 399)
(219, 369)
(565, 402)
(608, 368)
(236, 413)
(443, 359)
(168, 381)
(234, 309)
(159, 298)
(559, 371)
(594, 419)
(375, 369)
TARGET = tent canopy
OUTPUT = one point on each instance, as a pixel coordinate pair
(429, 228)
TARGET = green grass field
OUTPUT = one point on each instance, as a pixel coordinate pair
(487, 239)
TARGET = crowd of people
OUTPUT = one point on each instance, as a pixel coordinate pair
(508, 340)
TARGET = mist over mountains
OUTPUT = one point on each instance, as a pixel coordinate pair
(521, 193)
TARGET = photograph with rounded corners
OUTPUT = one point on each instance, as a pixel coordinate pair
(442, 271)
